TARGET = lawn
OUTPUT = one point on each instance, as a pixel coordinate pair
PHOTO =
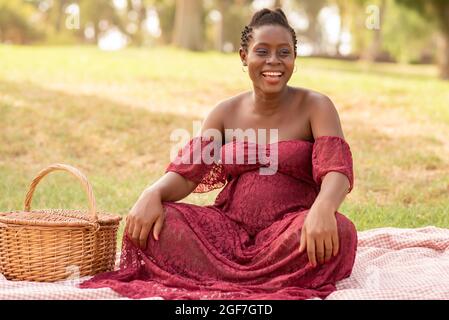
(110, 114)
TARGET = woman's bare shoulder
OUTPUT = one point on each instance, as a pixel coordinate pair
(312, 98)
(322, 114)
(309, 97)
(228, 107)
(218, 116)
(232, 102)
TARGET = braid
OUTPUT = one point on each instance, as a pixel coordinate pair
(266, 17)
(246, 36)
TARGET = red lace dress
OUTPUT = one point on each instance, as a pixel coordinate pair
(245, 245)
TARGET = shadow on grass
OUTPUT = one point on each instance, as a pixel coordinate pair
(41, 124)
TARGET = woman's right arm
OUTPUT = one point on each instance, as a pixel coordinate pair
(148, 212)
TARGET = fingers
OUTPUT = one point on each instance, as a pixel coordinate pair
(136, 234)
(327, 248)
(335, 243)
(158, 227)
(143, 237)
(302, 241)
(129, 226)
(319, 250)
(311, 250)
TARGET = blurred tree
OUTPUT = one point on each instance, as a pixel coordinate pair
(136, 15)
(353, 18)
(15, 22)
(188, 32)
(234, 15)
(365, 20)
(101, 15)
(53, 19)
(438, 10)
(374, 51)
(407, 35)
(57, 14)
(166, 13)
(345, 22)
(314, 31)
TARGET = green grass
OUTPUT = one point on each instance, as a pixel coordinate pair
(110, 114)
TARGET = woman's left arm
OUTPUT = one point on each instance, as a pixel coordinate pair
(319, 234)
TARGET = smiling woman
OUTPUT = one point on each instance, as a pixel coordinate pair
(267, 50)
(276, 236)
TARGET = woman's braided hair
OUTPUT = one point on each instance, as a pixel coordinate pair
(266, 17)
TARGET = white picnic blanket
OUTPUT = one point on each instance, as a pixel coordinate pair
(391, 263)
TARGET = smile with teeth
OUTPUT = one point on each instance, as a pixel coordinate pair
(272, 74)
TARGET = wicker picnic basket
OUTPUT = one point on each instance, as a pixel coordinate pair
(54, 244)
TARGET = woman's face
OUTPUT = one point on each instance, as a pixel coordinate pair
(270, 49)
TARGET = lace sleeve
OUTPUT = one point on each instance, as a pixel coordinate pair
(198, 161)
(332, 153)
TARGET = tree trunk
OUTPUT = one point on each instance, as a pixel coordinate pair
(96, 31)
(314, 35)
(443, 59)
(222, 7)
(342, 14)
(188, 33)
(374, 51)
(60, 14)
(443, 56)
(314, 32)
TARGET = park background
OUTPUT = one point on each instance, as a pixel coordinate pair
(100, 85)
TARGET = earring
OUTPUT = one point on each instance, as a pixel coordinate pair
(243, 68)
(296, 69)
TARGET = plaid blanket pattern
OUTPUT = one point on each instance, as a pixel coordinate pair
(391, 263)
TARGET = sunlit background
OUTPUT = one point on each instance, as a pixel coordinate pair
(101, 84)
(405, 31)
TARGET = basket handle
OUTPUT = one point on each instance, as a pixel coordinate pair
(64, 167)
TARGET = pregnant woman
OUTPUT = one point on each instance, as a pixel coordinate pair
(266, 236)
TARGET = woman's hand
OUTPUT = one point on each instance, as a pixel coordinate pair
(145, 213)
(319, 234)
